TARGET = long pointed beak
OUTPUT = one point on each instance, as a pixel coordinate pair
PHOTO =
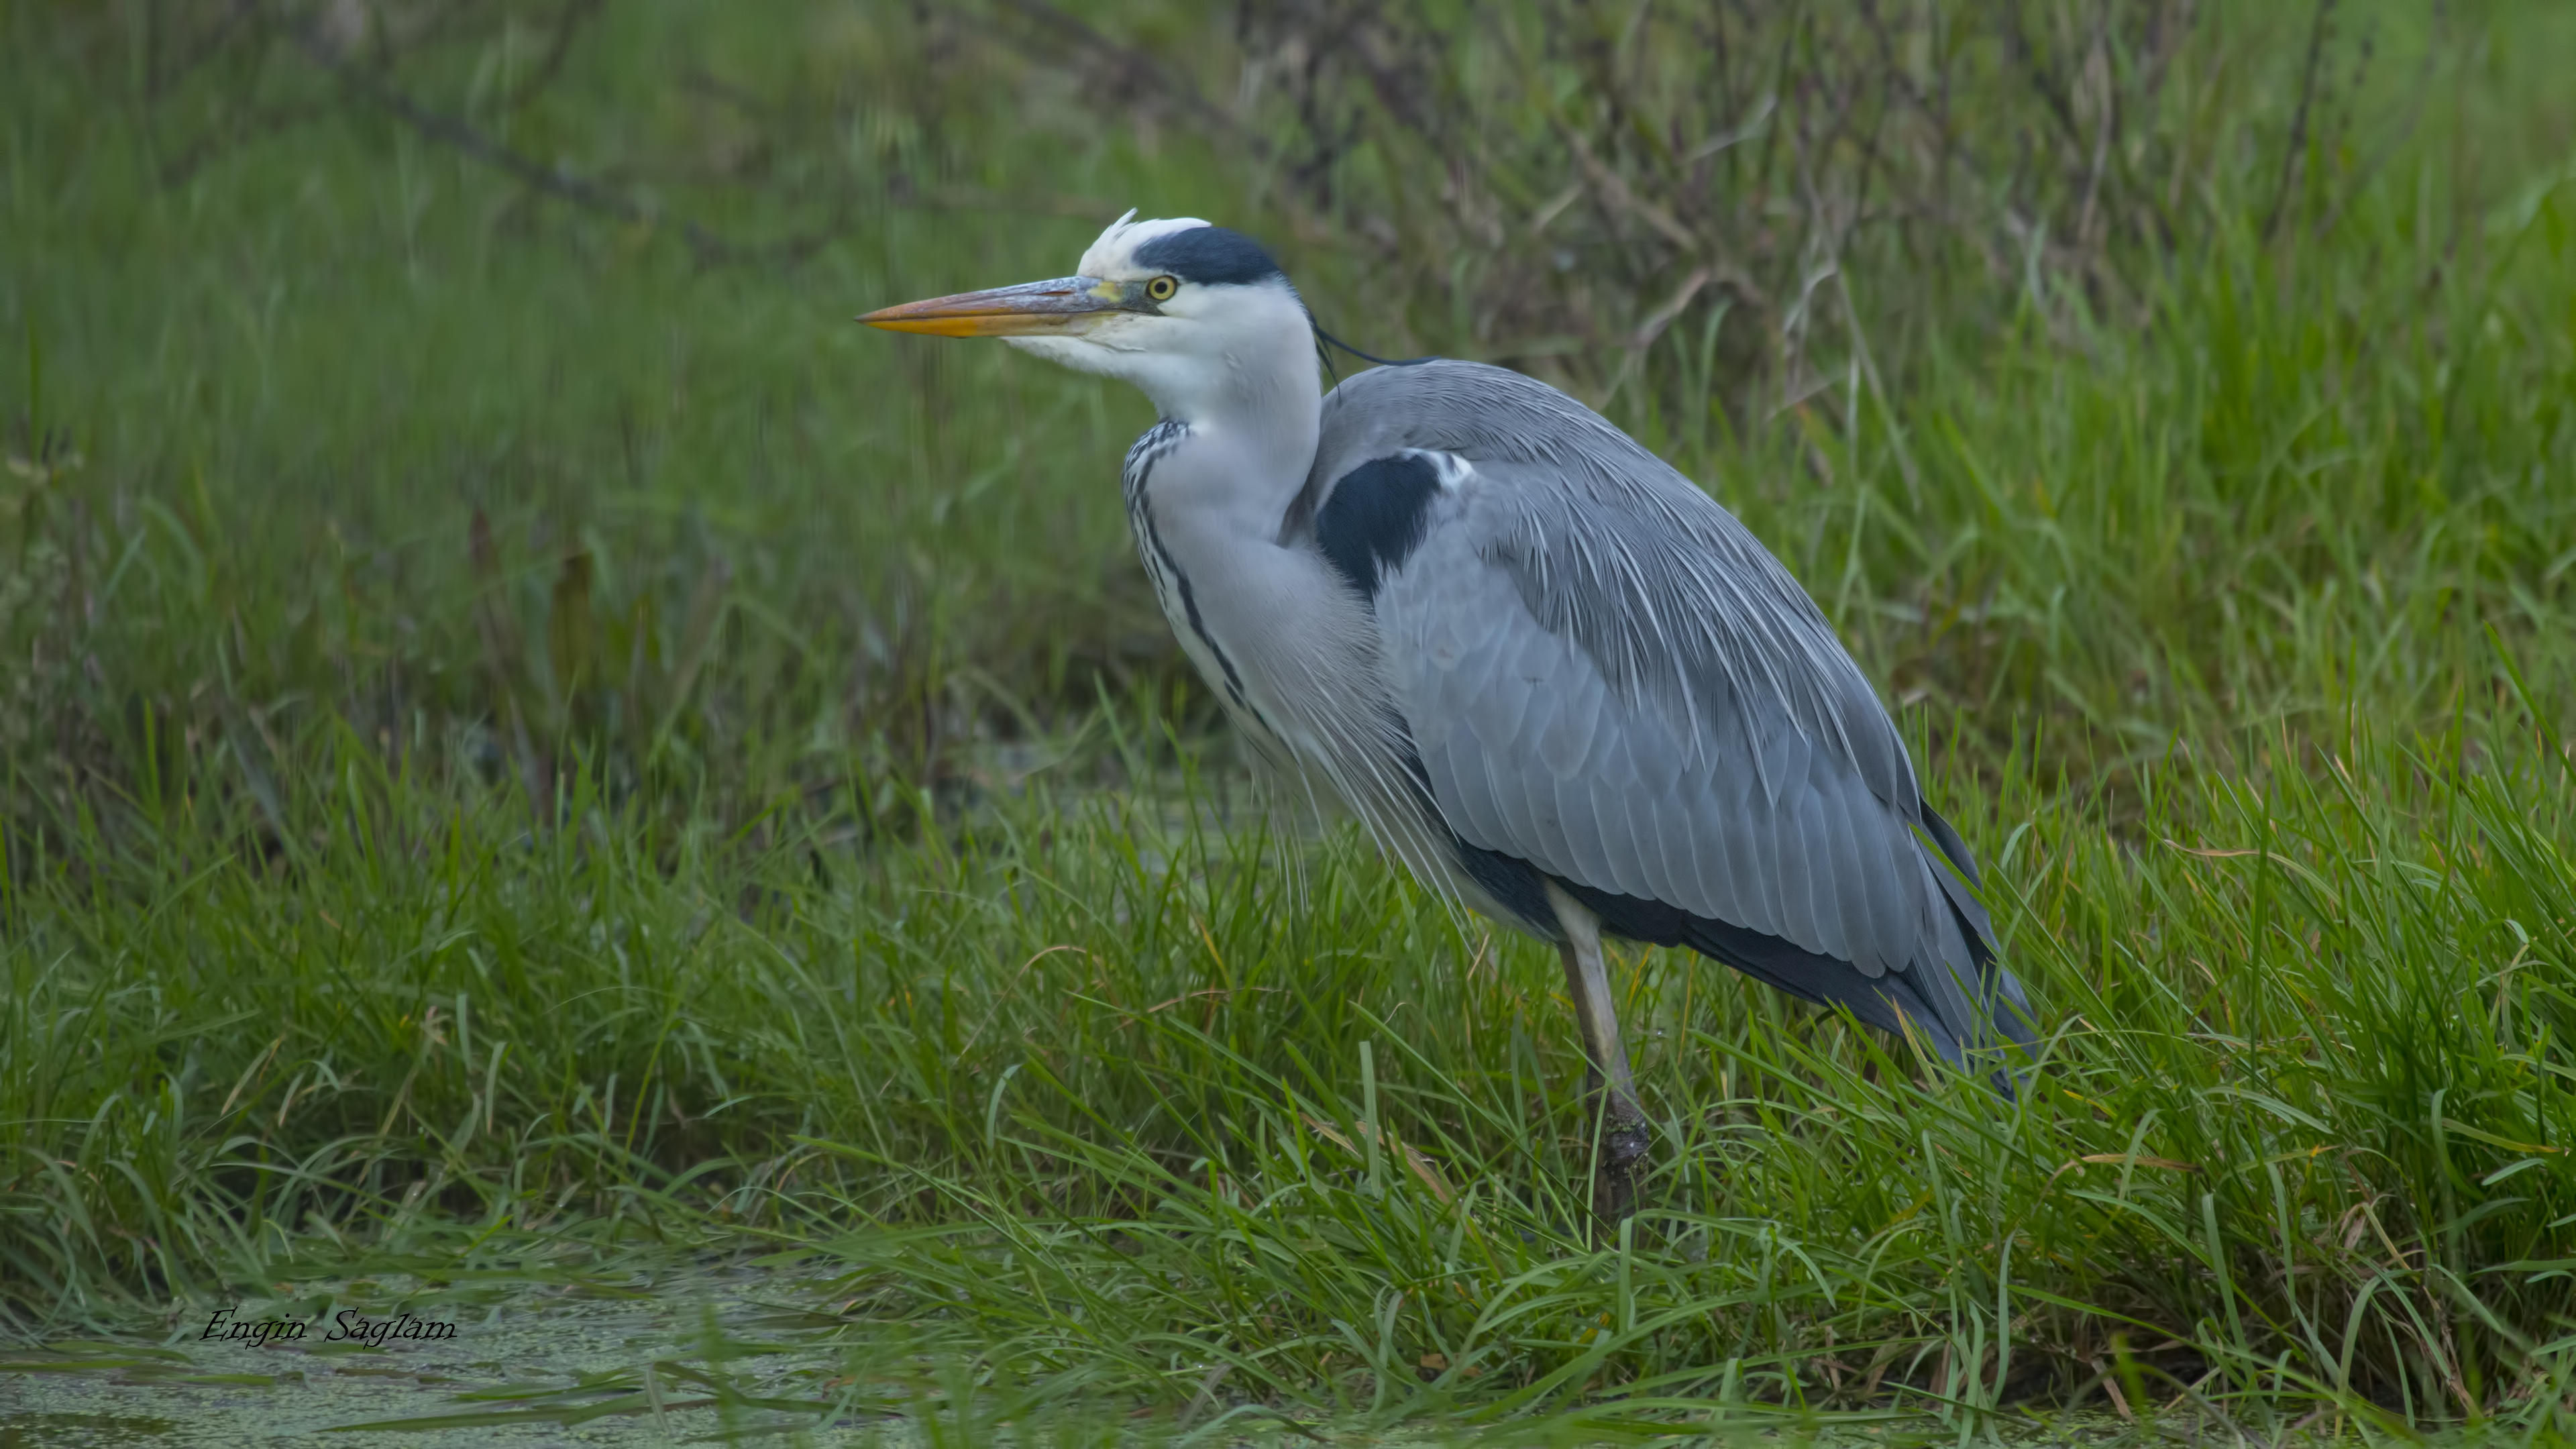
(1062, 306)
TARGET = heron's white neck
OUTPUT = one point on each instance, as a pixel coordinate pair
(1250, 445)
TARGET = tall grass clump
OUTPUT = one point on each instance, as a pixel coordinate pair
(517, 727)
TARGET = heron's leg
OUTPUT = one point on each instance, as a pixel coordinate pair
(1621, 1147)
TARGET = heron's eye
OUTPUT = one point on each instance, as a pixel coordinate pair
(1161, 289)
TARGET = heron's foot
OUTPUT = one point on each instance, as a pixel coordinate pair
(1618, 1167)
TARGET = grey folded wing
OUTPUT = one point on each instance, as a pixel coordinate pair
(1605, 676)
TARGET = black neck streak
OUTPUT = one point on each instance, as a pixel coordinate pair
(1170, 583)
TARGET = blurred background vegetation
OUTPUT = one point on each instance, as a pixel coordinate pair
(445, 491)
(478, 374)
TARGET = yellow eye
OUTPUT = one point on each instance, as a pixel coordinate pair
(1161, 289)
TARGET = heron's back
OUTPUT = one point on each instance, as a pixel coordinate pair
(1603, 679)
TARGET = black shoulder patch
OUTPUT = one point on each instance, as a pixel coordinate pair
(1208, 254)
(1377, 517)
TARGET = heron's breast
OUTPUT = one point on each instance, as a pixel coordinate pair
(1179, 592)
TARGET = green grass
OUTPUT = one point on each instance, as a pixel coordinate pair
(523, 742)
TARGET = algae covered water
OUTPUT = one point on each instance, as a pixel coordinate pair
(675, 1353)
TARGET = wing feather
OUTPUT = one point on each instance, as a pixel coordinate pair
(1689, 874)
(1606, 676)
(1835, 865)
(1710, 886)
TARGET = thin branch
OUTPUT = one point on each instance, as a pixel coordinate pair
(268, 123)
(2396, 134)
(708, 247)
(2295, 151)
(558, 49)
(1134, 66)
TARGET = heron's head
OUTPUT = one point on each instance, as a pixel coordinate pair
(1186, 311)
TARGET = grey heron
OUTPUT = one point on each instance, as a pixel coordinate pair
(1554, 678)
